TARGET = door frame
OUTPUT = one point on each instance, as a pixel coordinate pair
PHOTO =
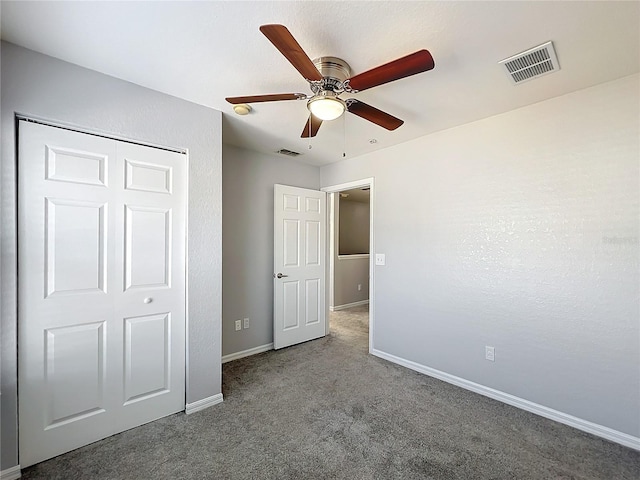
(18, 117)
(333, 189)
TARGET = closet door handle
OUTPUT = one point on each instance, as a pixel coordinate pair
(280, 275)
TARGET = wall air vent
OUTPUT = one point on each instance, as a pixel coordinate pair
(531, 64)
(289, 153)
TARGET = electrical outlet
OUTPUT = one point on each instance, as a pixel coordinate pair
(359, 287)
(490, 354)
(246, 323)
(380, 259)
(238, 325)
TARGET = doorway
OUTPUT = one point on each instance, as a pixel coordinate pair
(350, 266)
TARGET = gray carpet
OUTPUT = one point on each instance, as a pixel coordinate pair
(327, 410)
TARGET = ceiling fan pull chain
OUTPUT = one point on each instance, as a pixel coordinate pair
(344, 136)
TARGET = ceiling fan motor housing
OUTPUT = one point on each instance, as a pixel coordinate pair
(334, 72)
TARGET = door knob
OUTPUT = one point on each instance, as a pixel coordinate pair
(280, 275)
(148, 300)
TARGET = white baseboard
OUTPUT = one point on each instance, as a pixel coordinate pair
(247, 353)
(348, 305)
(202, 404)
(575, 422)
(12, 473)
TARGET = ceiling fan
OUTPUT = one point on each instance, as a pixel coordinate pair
(329, 77)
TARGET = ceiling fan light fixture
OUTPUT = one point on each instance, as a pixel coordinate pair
(326, 106)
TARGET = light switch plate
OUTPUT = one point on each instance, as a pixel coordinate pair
(490, 353)
(380, 259)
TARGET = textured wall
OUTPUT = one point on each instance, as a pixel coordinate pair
(519, 231)
(247, 223)
(44, 87)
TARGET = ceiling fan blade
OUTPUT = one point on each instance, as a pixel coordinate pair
(312, 127)
(266, 98)
(291, 49)
(373, 114)
(418, 62)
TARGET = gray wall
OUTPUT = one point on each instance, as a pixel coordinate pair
(350, 271)
(518, 231)
(354, 226)
(45, 87)
(247, 241)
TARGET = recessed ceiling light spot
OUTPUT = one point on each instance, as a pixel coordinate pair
(242, 109)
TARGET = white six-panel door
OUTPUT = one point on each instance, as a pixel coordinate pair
(101, 329)
(299, 265)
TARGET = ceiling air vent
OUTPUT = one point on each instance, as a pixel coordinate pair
(290, 153)
(531, 64)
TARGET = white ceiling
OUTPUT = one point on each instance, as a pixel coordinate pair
(206, 51)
